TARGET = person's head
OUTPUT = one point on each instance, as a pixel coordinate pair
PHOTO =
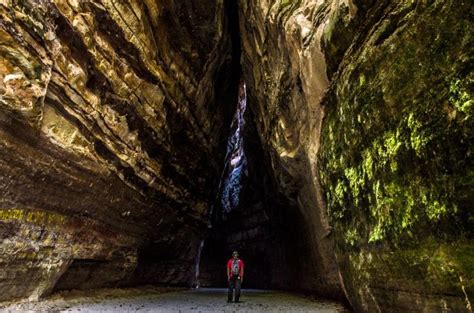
(235, 254)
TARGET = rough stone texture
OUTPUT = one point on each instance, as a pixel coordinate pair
(285, 69)
(397, 161)
(168, 300)
(113, 125)
(110, 115)
(395, 165)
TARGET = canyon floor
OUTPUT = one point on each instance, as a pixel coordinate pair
(174, 300)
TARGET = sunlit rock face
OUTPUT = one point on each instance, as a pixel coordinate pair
(364, 110)
(285, 69)
(111, 142)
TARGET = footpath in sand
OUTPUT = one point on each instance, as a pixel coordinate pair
(175, 300)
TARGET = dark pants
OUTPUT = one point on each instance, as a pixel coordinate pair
(234, 282)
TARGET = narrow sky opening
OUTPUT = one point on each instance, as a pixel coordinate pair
(236, 162)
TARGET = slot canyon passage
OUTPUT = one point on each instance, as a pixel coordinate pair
(328, 141)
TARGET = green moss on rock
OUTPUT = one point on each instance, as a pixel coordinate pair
(395, 158)
(393, 149)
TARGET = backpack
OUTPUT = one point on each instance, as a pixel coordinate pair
(235, 267)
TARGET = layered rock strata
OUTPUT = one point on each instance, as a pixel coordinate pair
(110, 139)
(285, 69)
(364, 109)
(113, 124)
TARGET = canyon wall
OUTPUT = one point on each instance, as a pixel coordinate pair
(110, 130)
(114, 118)
(364, 109)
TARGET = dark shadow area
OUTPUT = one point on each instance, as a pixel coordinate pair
(265, 227)
(158, 260)
(84, 274)
(245, 228)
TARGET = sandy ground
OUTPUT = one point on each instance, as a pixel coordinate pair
(174, 300)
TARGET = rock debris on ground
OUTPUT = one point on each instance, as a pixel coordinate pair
(175, 300)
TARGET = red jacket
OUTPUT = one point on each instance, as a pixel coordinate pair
(241, 267)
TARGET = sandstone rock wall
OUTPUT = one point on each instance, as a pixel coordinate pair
(113, 124)
(364, 109)
(109, 116)
(397, 158)
(285, 69)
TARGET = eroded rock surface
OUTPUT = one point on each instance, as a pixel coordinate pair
(114, 117)
(364, 109)
(110, 139)
(285, 68)
(397, 158)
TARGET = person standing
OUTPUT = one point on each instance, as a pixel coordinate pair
(235, 276)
